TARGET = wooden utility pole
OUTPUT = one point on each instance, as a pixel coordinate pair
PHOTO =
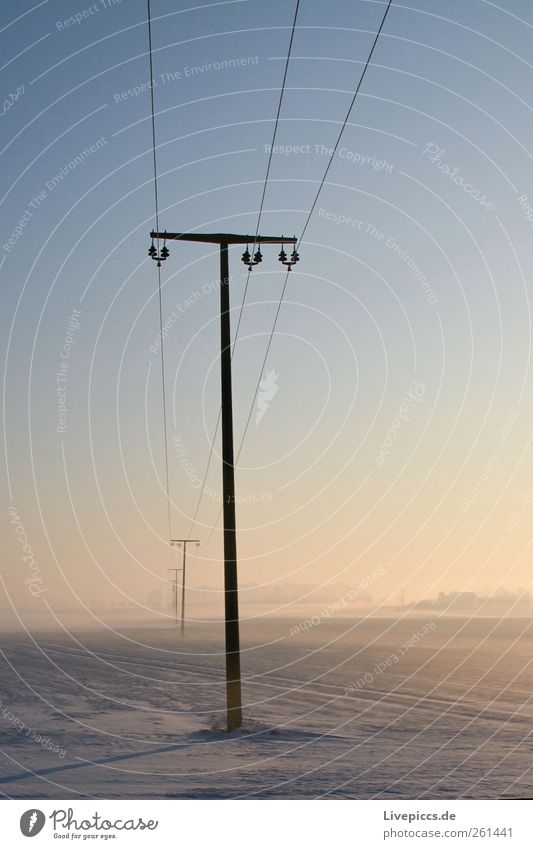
(224, 240)
(175, 583)
(179, 543)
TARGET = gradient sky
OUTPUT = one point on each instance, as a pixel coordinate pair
(447, 98)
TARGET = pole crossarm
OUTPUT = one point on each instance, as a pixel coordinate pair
(179, 541)
(224, 238)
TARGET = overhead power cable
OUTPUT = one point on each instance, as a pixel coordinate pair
(156, 200)
(261, 205)
(306, 224)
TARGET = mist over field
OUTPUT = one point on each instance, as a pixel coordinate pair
(410, 708)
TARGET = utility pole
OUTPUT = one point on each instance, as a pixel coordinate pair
(175, 582)
(224, 240)
(181, 542)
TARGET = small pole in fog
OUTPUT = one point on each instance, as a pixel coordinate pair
(179, 543)
(175, 584)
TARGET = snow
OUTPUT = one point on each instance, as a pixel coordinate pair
(137, 712)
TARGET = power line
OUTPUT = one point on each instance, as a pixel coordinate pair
(320, 187)
(310, 213)
(261, 205)
(156, 199)
(354, 98)
(250, 412)
(287, 61)
(154, 154)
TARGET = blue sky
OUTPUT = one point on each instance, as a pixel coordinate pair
(431, 183)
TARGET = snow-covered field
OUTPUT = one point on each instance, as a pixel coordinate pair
(345, 709)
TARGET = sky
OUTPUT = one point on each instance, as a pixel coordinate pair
(395, 430)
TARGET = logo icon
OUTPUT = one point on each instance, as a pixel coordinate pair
(268, 388)
(32, 822)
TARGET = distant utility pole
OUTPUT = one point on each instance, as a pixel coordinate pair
(181, 542)
(224, 240)
(175, 582)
